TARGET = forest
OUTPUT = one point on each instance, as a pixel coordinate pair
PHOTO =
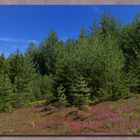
(102, 64)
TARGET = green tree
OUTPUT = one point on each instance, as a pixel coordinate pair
(22, 73)
(4, 65)
(83, 38)
(93, 29)
(62, 99)
(106, 68)
(80, 92)
(109, 25)
(6, 94)
(130, 45)
(48, 53)
(42, 88)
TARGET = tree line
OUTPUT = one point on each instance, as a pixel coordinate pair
(103, 64)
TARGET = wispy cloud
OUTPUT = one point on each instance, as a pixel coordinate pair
(97, 10)
(16, 40)
(9, 45)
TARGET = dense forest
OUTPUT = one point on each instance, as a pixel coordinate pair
(103, 64)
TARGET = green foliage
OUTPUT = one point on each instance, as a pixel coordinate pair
(46, 87)
(42, 88)
(114, 107)
(106, 68)
(4, 65)
(131, 48)
(99, 66)
(83, 38)
(48, 54)
(62, 101)
(6, 94)
(101, 63)
(22, 73)
(109, 25)
(136, 132)
(80, 92)
(38, 103)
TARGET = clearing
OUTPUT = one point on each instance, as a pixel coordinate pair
(108, 118)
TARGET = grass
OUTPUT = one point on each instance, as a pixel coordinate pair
(136, 132)
(132, 115)
(109, 125)
(32, 123)
(114, 107)
(64, 130)
(92, 129)
(37, 103)
(136, 96)
(124, 114)
(136, 104)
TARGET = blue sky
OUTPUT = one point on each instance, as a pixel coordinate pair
(19, 25)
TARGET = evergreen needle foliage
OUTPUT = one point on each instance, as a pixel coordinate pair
(102, 64)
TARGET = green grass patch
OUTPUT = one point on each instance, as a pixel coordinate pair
(137, 96)
(136, 132)
(92, 129)
(114, 107)
(110, 125)
(38, 103)
(125, 114)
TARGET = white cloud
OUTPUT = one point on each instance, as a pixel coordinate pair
(9, 39)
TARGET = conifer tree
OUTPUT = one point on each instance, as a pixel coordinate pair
(130, 45)
(4, 65)
(6, 94)
(62, 100)
(80, 92)
(109, 25)
(48, 53)
(83, 38)
(22, 73)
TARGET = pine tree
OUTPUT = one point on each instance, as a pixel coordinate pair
(83, 38)
(48, 53)
(22, 74)
(4, 65)
(130, 45)
(62, 100)
(93, 29)
(6, 94)
(80, 92)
